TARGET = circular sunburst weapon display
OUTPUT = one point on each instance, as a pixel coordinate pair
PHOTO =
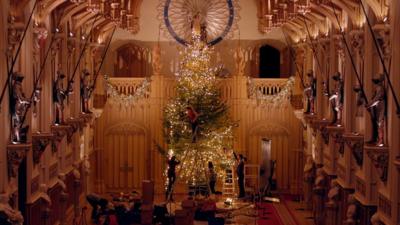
(217, 19)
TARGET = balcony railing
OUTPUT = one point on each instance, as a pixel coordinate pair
(127, 86)
(268, 86)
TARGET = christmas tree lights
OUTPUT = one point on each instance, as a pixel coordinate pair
(195, 143)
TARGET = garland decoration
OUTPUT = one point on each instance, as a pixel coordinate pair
(280, 98)
(127, 100)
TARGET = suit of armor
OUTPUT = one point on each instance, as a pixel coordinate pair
(18, 106)
(311, 93)
(59, 95)
(336, 99)
(86, 91)
(377, 108)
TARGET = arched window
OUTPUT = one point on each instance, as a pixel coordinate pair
(131, 61)
(270, 62)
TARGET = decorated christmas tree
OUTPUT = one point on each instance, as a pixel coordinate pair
(197, 126)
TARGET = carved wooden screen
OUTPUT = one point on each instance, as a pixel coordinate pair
(125, 158)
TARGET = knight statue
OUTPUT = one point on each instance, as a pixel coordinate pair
(86, 90)
(311, 92)
(18, 107)
(377, 108)
(336, 99)
(59, 95)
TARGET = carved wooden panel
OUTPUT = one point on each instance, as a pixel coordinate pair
(125, 155)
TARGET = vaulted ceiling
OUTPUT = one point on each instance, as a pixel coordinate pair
(298, 18)
(317, 17)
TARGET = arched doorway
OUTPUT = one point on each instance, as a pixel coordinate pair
(270, 62)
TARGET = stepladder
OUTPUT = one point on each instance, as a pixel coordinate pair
(229, 184)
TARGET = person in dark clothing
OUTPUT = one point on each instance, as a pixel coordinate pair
(240, 174)
(193, 116)
(212, 176)
(172, 163)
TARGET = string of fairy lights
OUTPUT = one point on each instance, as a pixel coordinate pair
(197, 86)
(127, 100)
(278, 99)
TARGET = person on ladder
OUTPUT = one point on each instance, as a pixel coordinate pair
(172, 163)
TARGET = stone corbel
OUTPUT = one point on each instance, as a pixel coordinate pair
(39, 144)
(71, 43)
(337, 134)
(308, 118)
(87, 117)
(383, 34)
(357, 42)
(59, 132)
(320, 125)
(339, 45)
(379, 155)
(55, 48)
(324, 43)
(15, 154)
(15, 29)
(75, 124)
(356, 143)
(325, 135)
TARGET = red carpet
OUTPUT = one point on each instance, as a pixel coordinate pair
(268, 215)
